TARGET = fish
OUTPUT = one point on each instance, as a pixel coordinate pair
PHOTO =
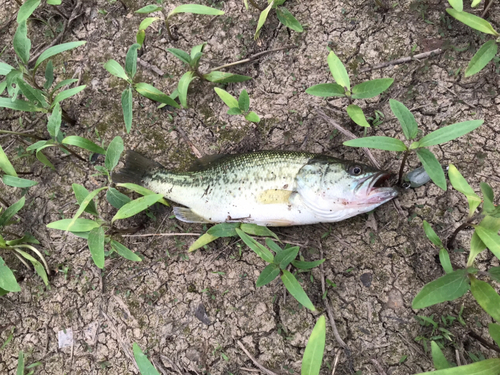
(268, 188)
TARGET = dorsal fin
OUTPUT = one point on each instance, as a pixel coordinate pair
(136, 167)
(206, 162)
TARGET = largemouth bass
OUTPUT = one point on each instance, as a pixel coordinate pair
(271, 188)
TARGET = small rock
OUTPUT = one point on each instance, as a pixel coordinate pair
(366, 279)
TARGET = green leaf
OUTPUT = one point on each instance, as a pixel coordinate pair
(142, 190)
(490, 238)
(20, 363)
(5, 164)
(260, 250)
(380, 143)
(253, 117)
(67, 94)
(482, 57)
(356, 114)
(438, 357)
(313, 355)
(116, 199)
(35, 96)
(262, 19)
(431, 235)
(307, 265)
(202, 241)
(476, 247)
(96, 246)
(234, 111)
(18, 105)
(326, 90)
(272, 245)
(80, 225)
(406, 119)
(196, 52)
(127, 108)
(196, 9)
(458, 5)
(488, 197)
(227, 98)
(449, 133)
(223, 77)
(432, 167)
(114, 68)
(7, 279)
(460, 184)
(80, 194)
(338, 70)
(285, 257)
(224, 230)
(494, 330)
(52, 51)
(64, 83)
(17, 182)
(287, 19)
(473, 21)
(444, 258)
(27, 10)
(134, 207)
(145, 367)
(486, 296)
(131, 60)
(258, 230)
(146, 22)
(474, 3)
(113, 153)
(3, 86)
(149, 9)
(49, 75)
(370, 89)
(141, 35)
(5, 68)
(447, 288)
(244, 101)
(83, 206)
(22, 44)
(54, 124)
(151, 92)
(181, 55)
(267, 275)
(294, 288)
(125, 251)
(43, 159)
(74, 140)
(38, 145)
(183, 86)
(11, 211)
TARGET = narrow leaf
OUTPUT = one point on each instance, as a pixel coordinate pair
(11, 211)
(49, 75)
(131, 60)
(96, 246)
(356, 114)
(258, 230)
(52, 51)
(262, 19)
(5, 164)
(438, 357)
(127, 108)
(83, 206)
(183, 86)
(378, 142)
(202, 241)
(370, 89)
(473, 21)
(244, 101)
(285, 257)
(260, 250)
(142, 190)
(227, 98)
(22, 45)
(113, 67)
(67, 94)
(113, 153)
(5, 68)
(431, 235)
(444, 258)
(449, 133)
(253, 117)
(17, 182)
(307, 265)
(338, 71)
(196, 9)
(486, 296)
(490, 238)
(20, 363)
(406, 119)
(294, 288)
(64, 83)
(458, 5)
(27, 10)
(267, 275)
(482, 57)
(494, 330)
(488, 197)
(125, 251)
(116, 199)
(54, 124)
(80, 194)
(224, 230)
(432, 167)
(326, 90)
(18, 105)
(223, 77)
(313, 355)
(151, 92)
(7, 279)
(287, 19)
(148, 9)
(476, 247)
(181, 55)
(447, 288)
(460, 184)
(134, 207)
(146, 22)
(145, 367)
(80, 225)
(74, 140)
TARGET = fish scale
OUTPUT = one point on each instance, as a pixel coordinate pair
(274, 188)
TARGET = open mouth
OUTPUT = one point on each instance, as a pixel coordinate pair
(373, 190)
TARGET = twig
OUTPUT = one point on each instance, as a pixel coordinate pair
(184, 136)
(335, 363)
(262, 368)
(255, 5)
(404, 60)
(174, 365)
(379, 368)
(486, 9)
(154, 68)
(161, 234)
(251, 58)
(483, 341)
(348, 134)
(457, 356)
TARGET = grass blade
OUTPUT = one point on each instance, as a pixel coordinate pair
(313, 355)
(127, 108)
(52, 51)
(80, 225)
(196, 9)
(473, 21)
(7, 279)
(145, 367)
(17, 182)
(67, 94)
(262, 19)
(5, 164)
(294, 288)
(267, 275)
(151, 92)
(125, 252)
(74, 140)
(380, 143)
(260, 250)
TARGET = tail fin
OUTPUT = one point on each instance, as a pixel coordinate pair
(136, 168)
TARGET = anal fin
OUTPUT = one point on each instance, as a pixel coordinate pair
(188, 216)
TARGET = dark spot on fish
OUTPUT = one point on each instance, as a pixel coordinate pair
(285, 186)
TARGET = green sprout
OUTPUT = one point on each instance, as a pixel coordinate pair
(240, 106)
(342, 88)
(410, 130)
(283, 14)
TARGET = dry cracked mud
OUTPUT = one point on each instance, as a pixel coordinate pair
(188, 311)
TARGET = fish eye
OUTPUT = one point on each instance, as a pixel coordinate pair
(355, 170)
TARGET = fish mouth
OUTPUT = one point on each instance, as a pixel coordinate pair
(373, 191)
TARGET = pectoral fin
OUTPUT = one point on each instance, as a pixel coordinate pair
(188, 216)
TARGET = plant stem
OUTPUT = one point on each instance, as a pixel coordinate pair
(168, 30)
(468, 223)
(401, 169)
(251, 58)
(67, 118)
(255, 5)
(71, 151)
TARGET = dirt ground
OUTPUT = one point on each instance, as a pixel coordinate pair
(377, 262)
